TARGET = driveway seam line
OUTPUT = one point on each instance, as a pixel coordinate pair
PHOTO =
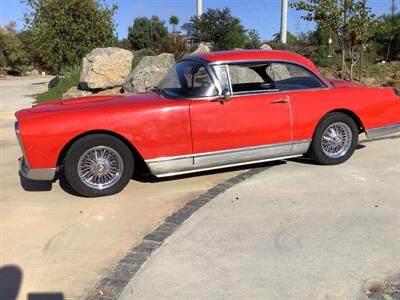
(111, 286)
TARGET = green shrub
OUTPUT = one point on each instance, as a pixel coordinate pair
(70, 78)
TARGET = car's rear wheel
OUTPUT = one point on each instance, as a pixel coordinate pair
(98, 165)
(334, 140)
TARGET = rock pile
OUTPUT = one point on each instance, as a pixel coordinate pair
(109, 71)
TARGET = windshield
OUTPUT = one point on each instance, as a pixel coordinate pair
(187, 79)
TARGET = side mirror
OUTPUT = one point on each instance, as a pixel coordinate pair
(226, 95)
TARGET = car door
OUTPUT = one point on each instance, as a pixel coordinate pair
(254, 125)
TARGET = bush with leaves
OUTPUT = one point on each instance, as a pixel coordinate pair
(350, 20)
(63, 32)
(146, 33)
(13, 54)
(217, 27)
(253, 40)
(172, 44)
(387, 37)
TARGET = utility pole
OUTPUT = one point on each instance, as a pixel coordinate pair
(199, 8)
(393, 8)
(284, 21)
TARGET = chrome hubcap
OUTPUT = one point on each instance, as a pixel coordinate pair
(336, 140)
(100, 167)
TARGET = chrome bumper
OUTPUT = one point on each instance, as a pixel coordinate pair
(382, 131)
(36, 173)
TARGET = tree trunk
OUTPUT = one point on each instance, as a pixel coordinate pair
(343, 61)
(362, 47)
(361, 62)
(344, 32)
(351, 64)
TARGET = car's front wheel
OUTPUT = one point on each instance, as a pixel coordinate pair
(98, 165)
(334, 140)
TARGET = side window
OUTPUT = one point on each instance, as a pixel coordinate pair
(250, 79)
(187, 79)
(288, 77)
(243, 74)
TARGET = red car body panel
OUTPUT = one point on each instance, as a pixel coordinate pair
(160, 127)
(242, 122)
(156, 126)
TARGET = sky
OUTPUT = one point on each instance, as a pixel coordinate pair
(262, 15)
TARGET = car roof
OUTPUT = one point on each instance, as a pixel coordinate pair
(243, 55)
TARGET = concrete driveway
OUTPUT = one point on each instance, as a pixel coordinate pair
(63, 244)
(294, 231)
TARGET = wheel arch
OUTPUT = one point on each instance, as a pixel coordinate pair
(140, 164)
(351, 114)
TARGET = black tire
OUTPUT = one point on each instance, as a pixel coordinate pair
(80, 147)
(316, 150)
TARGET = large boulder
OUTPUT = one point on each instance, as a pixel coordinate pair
(74, 92)
(148, 73)
(243, 75)
(202, 48)
(265, 47)
(105, 68)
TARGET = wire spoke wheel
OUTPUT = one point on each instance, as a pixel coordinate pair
(100, 167)
(336, 140)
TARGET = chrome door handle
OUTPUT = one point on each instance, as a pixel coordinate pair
(284, 100)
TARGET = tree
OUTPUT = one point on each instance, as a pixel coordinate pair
(124, 44)
(11, 27)
(291, 38)
(172, 44)
(217, 27)
(65, 31)
(253, 39)
(174, 21)
(15, 55)
(350, 20)
(144, 33)
(12, 49)
(388, 37)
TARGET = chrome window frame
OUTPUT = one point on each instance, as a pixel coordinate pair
(252, 93)
(229, 77)
(209, 67)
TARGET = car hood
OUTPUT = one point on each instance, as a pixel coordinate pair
(89, 104)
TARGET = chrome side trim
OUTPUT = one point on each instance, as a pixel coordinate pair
(169, 166)
(234, 156)
(175, 164)
(36, 173)
(226, 166)
(382, 131)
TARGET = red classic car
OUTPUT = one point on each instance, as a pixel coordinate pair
(210, 111)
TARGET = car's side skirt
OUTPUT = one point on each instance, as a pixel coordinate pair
(171, 166)
(382, 131)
